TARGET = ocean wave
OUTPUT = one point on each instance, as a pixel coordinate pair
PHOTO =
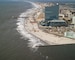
(33, 42)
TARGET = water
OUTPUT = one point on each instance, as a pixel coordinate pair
(13, 45)
(17, 44)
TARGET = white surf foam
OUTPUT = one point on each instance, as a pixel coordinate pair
(33, 42)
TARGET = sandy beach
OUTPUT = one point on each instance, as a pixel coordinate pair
(32, 27)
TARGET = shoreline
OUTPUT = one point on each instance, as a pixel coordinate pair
(36, 35)
(33, 41)
(48, 38)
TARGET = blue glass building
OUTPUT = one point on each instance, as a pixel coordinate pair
(51, 13)
(52, 17)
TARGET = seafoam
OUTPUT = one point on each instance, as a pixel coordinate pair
(33, 42)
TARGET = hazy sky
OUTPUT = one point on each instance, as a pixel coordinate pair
(38, 0)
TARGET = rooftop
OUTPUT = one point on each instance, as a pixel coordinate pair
(56, 21)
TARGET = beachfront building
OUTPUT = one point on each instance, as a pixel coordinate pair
(61, 16)
(73, 20)
(57, 23)
(52, 17)
(70, 34)
(72, 25)
(51, 12)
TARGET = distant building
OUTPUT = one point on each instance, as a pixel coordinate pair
(61, 16)
(57, 23)
(52, 17)
(51, 13)
(73, 13)
(70, 34)
(73, 20)
(54, 23)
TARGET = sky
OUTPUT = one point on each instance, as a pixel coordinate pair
(38, 0)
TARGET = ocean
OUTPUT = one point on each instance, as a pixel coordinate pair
(17, 44)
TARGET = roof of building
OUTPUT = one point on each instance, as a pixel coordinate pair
(56, 21)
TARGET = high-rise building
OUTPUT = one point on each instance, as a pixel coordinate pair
(52, 12)
(52, 17)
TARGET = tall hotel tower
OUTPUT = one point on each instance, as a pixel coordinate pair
(51, 13)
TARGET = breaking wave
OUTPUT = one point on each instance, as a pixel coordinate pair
(33, 42)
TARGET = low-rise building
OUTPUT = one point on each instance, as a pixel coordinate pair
(61, 16)
(70, 34)
(73, 21)
(55, 23)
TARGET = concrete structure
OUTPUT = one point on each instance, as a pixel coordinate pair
(57, 23)
(70, 34)
(67, 14)
(54, 23)
(52, 17)
(61, 16)
(73, 20)
(51, 13)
